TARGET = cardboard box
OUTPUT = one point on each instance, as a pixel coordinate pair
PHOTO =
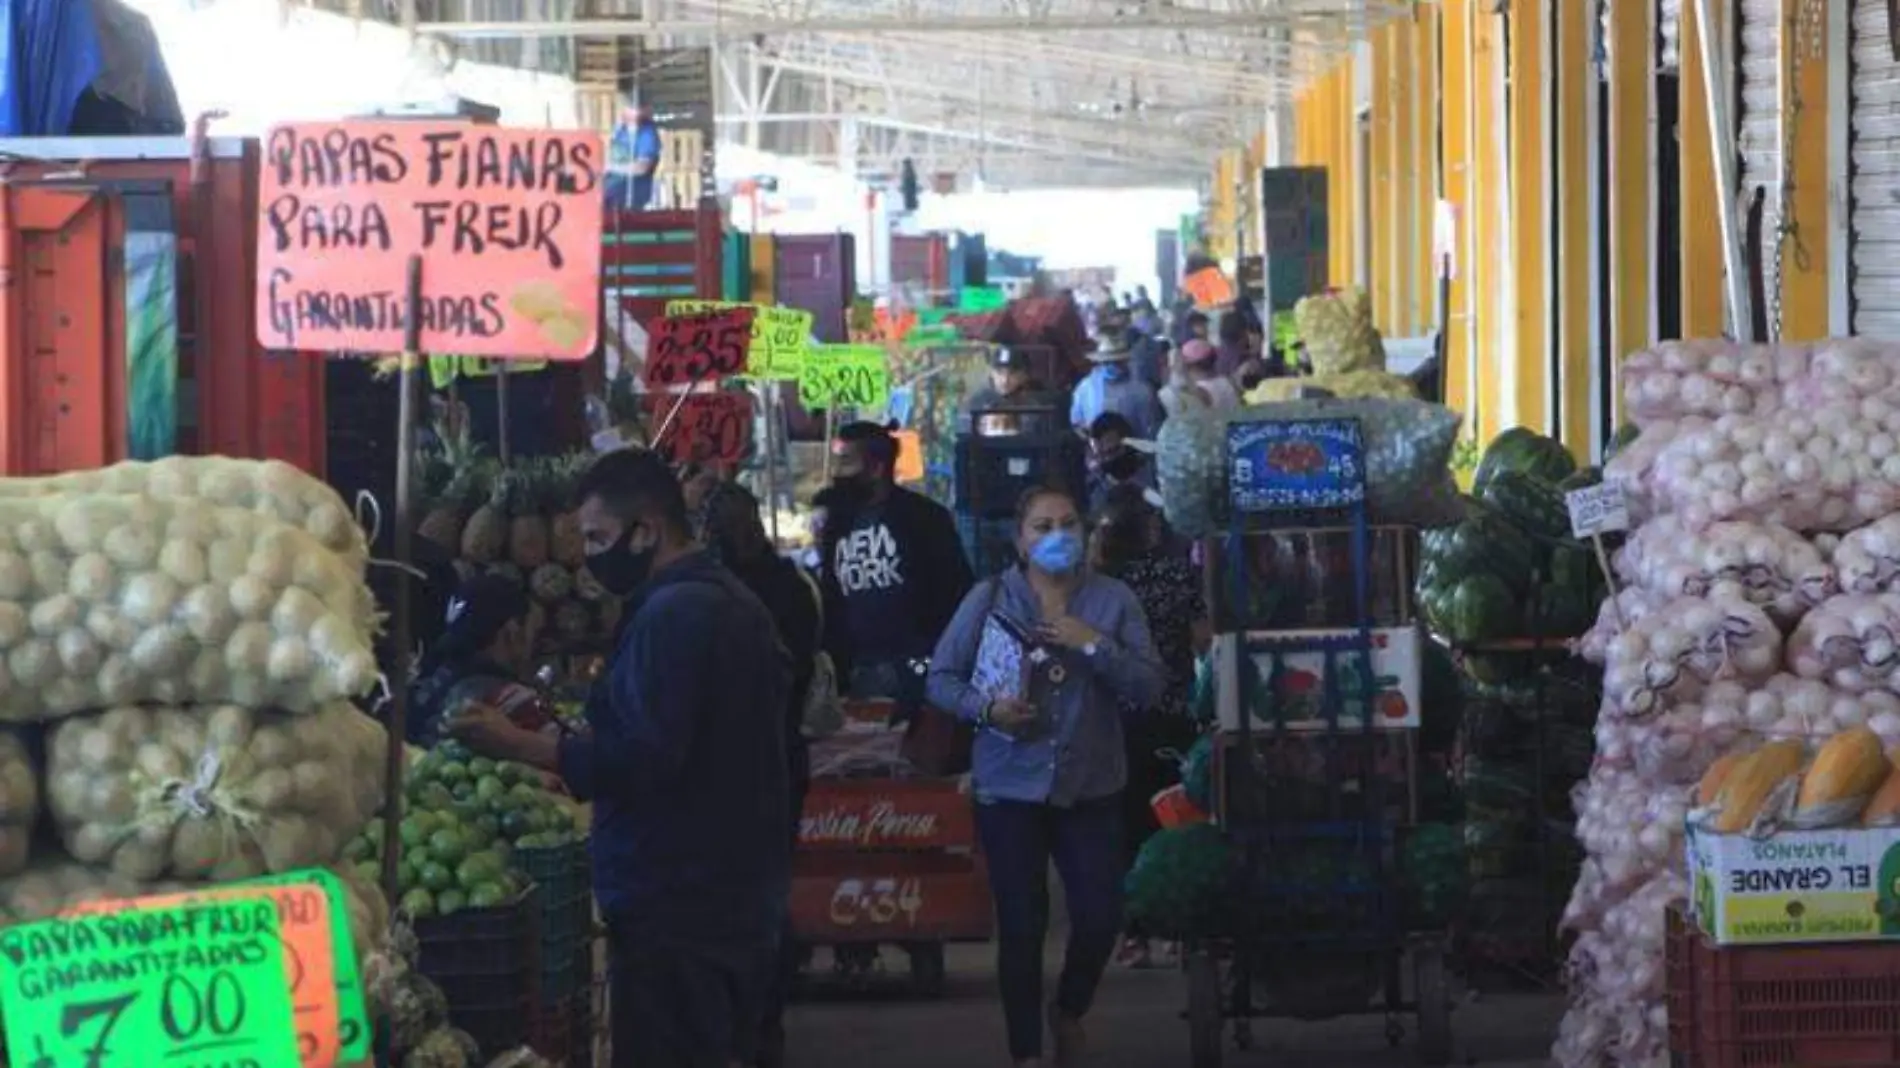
(1838, 885)
(1300, 687)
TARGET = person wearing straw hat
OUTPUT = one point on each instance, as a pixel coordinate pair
(1112, 387)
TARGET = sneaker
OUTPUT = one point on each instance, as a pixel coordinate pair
(1071, 1041)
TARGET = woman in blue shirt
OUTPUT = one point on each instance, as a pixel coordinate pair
(1050, 765)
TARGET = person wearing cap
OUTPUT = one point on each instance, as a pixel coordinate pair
(1197, 380)
(1010, 381)
(482, 657)
(633, 157)
(1117, 457)
(1112, 387)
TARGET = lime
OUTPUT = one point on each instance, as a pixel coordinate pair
(481, 766)
(524, 792)
(359, 849)
(449, 902)
(435, 796)
(479, 868)
(368, 872)
(434, 876)
(488, 896)
(510, 772)
(515, 823)
(447, 846)
(374, 832)
(406, 873)
(416, 830)
(419, 904)
(452, 772)
(488, 788)
(462, 789)
(487, 825)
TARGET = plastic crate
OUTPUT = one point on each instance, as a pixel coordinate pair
(551, 1031)
(487, 962)
(581, 1018)
(566, 914)
(1812, 1006)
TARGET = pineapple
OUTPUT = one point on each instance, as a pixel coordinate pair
(451, 484)
(486, 534)
(550, 583)
(527, 526)
(565, 544)
(571, 619)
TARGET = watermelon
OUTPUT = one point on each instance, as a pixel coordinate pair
(1582, 478)
(1530, 502)
(1624, 437)
(1520, 449)
(1480, 608)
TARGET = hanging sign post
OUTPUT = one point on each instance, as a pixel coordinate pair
(420, 237)
(1594, 512)
(844, 376)
(706, 428)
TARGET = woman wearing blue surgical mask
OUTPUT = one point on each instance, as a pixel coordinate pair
(1049, 763)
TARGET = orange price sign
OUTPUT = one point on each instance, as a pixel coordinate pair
(711, 428)
(1209, 288)
(506, 224)
(698, 346)
(310, 967)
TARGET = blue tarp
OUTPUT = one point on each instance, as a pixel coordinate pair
(49, 54)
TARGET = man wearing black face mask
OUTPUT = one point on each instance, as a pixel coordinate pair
(894, 571)
(688, 771)
(1113, 459)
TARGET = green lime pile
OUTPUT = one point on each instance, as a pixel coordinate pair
(463, 818)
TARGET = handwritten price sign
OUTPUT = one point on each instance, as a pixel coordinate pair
(844, 376)
(151, 984)
(711, 428)
(780, 336)
(698, 346)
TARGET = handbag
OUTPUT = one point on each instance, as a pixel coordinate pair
(936, 742)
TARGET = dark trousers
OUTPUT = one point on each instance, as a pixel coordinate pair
(674, 1005)
(779, 982)
(1019, 840)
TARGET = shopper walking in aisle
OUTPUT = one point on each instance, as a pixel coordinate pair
(1129, 541)
(1050, 764)
(687, 771)
(726, 516)
(894, 571)
(1112, 387)
(1115, 459)
(1196, 380)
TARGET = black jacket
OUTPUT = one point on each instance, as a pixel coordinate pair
(910, 539)
(787, 596)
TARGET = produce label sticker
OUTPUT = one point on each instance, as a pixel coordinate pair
(506, 223)
(320, 963)
(1596, 510)
(145, 984)
(1280, 465)
(693, 347)
(711, 428)
(845, 376)
(780, 336)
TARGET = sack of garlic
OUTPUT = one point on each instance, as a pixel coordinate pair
(1833, 467)
(1851, 641)
(1764, 564)
(1672, 654)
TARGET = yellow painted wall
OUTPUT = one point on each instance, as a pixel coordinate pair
(1458, 176)
(1575, 27)
(1490, 264)
(1529, 282)
(1804, 107)
(1702, 314)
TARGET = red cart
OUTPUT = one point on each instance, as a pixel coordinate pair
(885, 858)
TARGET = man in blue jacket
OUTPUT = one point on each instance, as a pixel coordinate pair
(686, 766)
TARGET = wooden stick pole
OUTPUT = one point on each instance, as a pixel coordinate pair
(501, 410)
(397, 708)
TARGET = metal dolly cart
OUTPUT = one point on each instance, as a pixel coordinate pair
(1316, 780)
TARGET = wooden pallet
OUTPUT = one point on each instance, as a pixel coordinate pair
(678, 179)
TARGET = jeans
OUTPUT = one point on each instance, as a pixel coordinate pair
(1019, 840)
(679, 1005)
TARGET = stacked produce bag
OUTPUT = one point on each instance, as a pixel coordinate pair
(517, 521)
(1749, 663)
(179, 645)
(1345, 351)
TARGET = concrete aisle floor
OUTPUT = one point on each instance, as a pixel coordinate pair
(1136, 1024)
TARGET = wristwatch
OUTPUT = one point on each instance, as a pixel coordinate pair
(1090, 648)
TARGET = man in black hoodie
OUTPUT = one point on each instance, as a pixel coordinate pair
(687, 769)
(726, 515)
(894, 571)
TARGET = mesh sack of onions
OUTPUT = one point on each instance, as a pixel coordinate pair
(1190, 450)
(111, 600)
(48, 887)
(1762, 563)
(266, 487)
(1674, 745)
(1708, 378)
(1633, 603)
(1673, 653)
(1851, 641)
(1867, 560)
(1844, 370)
(1629, 826)
(217, 793)
(1828, 468)
(1617, 1012)
(19, 803)
(1633, 467)
(1790, 706)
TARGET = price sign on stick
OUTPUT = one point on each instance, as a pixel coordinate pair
(506, 223)
(698, 346)
(711, 428)
(844, 376)
(181, 984)
(780, 336)
(320, 965)
(1594, 512)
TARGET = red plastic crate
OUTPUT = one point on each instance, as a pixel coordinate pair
(1794, 1006)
